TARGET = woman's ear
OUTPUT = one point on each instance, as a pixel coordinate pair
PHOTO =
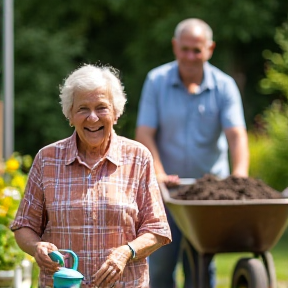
(115, 117)
(70, 122)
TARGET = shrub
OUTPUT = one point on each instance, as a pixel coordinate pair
(13, 177)
(269, 145)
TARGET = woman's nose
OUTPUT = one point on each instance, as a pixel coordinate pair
(93, 116)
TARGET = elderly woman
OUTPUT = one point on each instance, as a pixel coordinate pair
(94, 193)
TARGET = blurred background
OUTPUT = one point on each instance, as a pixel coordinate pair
(52, 38)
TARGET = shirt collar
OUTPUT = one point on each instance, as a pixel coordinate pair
(175, 77)
(111, 155)
(207, 82)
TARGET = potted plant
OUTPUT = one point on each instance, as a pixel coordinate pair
(13, 177)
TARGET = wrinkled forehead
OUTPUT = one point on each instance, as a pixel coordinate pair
(103, 90)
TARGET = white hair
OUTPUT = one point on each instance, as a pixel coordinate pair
(191, 23)
(88, 78)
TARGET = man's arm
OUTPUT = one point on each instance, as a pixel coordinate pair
(146, 136)
(238, 145)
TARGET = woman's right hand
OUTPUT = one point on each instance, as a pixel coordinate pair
(42, 250)
(31, 243)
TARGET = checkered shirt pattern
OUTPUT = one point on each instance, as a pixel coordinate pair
(92, 211)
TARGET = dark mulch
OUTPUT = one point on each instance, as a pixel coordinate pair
(210, 187)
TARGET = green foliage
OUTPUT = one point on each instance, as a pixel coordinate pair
(277, 65)
(53, 38)
(10, 254)
(268, 151)
(259, 145)
(13, 177)
(268, 147)
(47, 60)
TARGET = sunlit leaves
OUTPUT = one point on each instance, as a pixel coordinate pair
(13, 178)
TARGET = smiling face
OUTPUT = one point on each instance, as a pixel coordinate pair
(92, 115)
(192, 50)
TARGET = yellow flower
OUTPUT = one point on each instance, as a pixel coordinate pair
(13, 178)
(18, 181)
(12, 165)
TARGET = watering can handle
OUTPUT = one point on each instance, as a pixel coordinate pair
(75, 257)
(58, 257)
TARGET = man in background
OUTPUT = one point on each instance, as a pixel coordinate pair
(190, 114)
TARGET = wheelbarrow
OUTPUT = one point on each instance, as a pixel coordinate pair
(228, 226)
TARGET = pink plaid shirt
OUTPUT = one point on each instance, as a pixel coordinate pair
(91, 211)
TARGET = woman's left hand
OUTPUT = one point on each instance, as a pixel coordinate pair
(112, 269)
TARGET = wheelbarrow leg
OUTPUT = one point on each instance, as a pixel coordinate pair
(200, 272)
(185, 245)
(203, 270)
(270, 268)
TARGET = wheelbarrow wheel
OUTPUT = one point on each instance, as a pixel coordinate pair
(249, 273)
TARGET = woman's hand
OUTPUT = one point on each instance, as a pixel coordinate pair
(112, 269)
(43, 260)
(31, 243)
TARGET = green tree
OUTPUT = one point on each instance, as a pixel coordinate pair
(276, 79)
(54, 37)
(270, 161)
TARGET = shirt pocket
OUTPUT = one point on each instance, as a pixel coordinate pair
(208, 125)
(116, 205)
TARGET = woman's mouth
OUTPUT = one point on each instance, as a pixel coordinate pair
(94, 130)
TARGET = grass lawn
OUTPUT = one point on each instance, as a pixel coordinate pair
(225, 265)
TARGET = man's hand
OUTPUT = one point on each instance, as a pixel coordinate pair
(168, 180)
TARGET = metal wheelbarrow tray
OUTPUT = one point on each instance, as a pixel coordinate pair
(220, 226)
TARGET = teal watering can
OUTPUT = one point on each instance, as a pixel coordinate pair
(66, 277)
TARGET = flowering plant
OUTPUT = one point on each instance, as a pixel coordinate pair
(13, 178)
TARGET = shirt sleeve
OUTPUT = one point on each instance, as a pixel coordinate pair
(147, 110)
(31, 212)
(232, 114)
(152, 215)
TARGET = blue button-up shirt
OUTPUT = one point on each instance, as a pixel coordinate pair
(190, 127)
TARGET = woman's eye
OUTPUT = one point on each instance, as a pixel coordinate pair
(102, 108)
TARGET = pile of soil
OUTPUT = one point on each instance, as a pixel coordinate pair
(210, 187)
